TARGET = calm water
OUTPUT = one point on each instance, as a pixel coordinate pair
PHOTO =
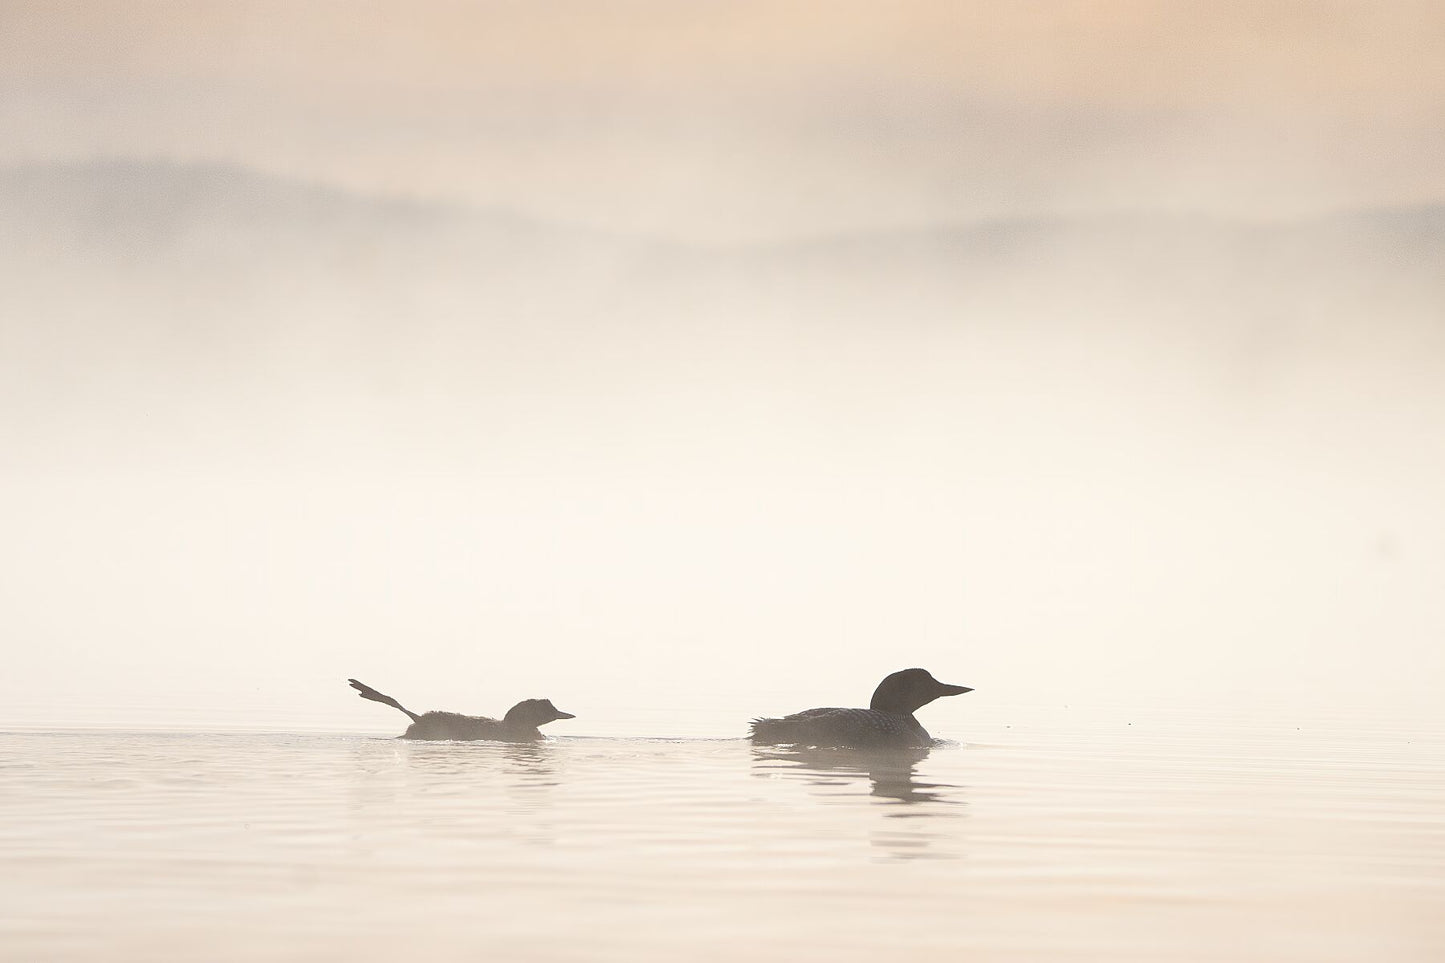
(1060, 840)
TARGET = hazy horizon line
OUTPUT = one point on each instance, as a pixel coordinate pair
(457, 204)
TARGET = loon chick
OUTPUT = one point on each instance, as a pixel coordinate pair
(518, 725)
(887, 723)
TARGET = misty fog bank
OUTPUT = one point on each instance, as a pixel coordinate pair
(267, 434)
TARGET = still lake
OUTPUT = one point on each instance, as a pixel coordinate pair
(1048, 836)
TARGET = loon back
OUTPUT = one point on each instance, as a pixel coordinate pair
(454, 725)
(851, 728)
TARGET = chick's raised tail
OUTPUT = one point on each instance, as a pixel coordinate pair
(367, 692)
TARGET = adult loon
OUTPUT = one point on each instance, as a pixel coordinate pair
(518, 725)
(887, 723)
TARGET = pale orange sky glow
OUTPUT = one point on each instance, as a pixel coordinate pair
(726, 120)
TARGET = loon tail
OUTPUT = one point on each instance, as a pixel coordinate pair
(770, 731)
(367, 692)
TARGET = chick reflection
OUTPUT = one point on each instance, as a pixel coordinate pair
(892, 773)
(524, 766)
(461, 766)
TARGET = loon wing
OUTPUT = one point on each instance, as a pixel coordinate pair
(856, 728)
(811, 713)
(790, 728)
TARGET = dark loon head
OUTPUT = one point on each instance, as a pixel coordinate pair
(530, 713)
(910, 690)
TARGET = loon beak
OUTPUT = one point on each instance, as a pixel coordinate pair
(565, 715)
(944, 689)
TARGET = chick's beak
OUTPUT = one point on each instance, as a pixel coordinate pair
(565, 715)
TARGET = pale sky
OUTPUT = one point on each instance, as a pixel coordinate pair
(247, 455)
(753, 119)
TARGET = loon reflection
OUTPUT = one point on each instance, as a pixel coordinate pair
(892, 774)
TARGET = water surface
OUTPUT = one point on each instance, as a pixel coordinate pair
(1059, 840)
